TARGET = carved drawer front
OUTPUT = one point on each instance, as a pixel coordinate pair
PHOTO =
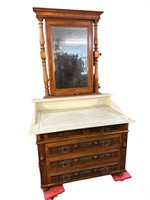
(65, 135)
(76, 146)
(83, 174)
(109, 129)
(84, 161)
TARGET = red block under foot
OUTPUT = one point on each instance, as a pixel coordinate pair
(53, 191)
(123, 176)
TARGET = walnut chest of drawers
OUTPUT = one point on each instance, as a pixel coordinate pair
(80, 154)
(87, 139)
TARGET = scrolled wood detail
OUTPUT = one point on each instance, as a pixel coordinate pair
(42, 158)
(124, 146)
(43, 57)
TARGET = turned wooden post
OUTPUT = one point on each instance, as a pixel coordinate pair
(43, 57)
(96, 56)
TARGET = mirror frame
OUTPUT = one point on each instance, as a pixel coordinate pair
(51, 66)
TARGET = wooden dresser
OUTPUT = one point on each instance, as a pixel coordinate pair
(79, 137)
(80, 132)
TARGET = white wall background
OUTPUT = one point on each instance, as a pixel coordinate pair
(124, 40)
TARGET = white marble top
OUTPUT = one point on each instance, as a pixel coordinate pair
(69, 119)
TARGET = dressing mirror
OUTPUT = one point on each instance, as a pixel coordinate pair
(72, 51)
(70, 57)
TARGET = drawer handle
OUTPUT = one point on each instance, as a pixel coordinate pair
(65, 149)
(105, 130)
(66, 177)
(105, 170)
(106, 142)
(65, 164)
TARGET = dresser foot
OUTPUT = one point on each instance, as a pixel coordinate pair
(121, 176)
(53, 192)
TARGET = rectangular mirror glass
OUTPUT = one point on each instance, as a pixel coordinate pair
(70, 56)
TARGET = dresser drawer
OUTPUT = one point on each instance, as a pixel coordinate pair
(77, 146)
(82, 133)
(104, 130)
(85, 161)
(65, 135)
(83, 174)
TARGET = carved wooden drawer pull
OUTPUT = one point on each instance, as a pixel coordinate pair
(65, 149)
(66, 177)
(106, 142)
(105, 170)
(105, 130)
(65, 164)
(101, 130)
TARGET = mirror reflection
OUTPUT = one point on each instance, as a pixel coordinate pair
(70, 56)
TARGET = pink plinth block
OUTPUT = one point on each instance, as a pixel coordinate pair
(125, 175)
(53, 191)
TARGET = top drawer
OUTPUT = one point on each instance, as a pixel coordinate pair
(109, 129)
(63, 135)
(82, 133)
